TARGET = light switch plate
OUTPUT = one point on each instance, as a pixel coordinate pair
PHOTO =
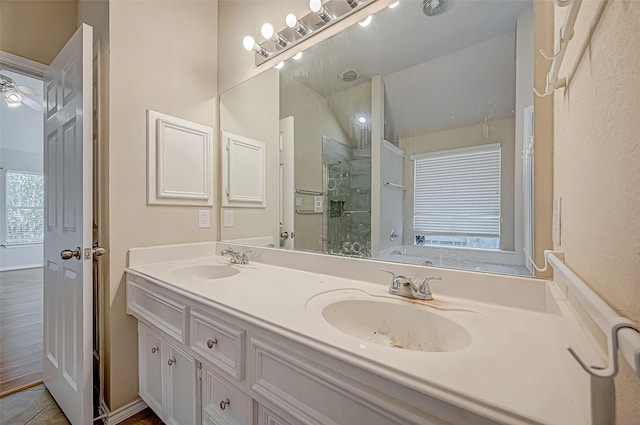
(298, 201)
(203, 219)
(557, 221)
(227, 218)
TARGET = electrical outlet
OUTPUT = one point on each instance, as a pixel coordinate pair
(227, 218)
(556, 230)
(203, 219)
(318, 204)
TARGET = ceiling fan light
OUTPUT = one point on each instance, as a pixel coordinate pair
(13, 98)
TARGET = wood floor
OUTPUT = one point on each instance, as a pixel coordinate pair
(20, 329)
(35, 406)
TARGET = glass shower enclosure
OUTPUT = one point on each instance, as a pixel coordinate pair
(347, 184)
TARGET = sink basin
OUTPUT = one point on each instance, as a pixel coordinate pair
(395, 324)
(205, 271)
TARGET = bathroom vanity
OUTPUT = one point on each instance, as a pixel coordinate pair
(268, 343)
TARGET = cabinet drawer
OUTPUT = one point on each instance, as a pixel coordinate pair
(267, 417)
(313, 395)
(224, 404)
(159, 310)
(219, 343)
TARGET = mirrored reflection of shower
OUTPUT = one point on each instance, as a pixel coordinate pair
(346, 226)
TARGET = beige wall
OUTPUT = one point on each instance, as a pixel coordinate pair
(498, 131)
(313, 118)
(251, 110)
(162, 57)
(36, 30)
(597, 164)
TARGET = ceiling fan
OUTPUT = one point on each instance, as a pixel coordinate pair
(16, 95)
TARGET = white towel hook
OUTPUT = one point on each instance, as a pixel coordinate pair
(611, 369)
(546, 253)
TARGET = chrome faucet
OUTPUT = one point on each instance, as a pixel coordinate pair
(405, 287)
(236, 257)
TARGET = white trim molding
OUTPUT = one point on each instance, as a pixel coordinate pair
(22, 64)
(121, 414)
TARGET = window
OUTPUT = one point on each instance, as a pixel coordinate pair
(457, 197)
(25, 208)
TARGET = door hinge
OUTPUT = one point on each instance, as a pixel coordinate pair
(200, 371)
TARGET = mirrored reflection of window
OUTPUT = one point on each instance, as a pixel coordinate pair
(25, 208)
(457, 198)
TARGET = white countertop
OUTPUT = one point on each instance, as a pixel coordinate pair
(516, 369)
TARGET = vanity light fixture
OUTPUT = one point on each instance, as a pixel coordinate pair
(394, 4)
(322, 12)
(352, 3)
(366, 21)
(250, 44)
(318, 19)
(280, 65)
(292, 22)
(297, 56)
(269, 33)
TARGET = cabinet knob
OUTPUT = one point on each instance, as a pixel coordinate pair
(211, 343)
(224, 404)
(171, 361)
(154, 350)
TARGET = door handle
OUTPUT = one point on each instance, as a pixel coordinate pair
(284, 235)
(68, 254)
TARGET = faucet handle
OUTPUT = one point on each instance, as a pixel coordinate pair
(397, 281)
(424, 288)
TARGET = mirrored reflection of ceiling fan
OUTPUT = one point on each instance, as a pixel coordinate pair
(16, 95)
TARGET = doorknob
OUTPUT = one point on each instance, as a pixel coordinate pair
(95, 252)
(67, 254)
(284, 235)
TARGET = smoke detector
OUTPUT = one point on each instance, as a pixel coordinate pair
(349, 75)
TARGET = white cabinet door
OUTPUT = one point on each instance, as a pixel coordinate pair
(180, 393)
(150, 367)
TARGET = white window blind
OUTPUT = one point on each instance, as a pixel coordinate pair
(24, 208)
(457, 192)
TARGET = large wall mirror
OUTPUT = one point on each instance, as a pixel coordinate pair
(408, 139)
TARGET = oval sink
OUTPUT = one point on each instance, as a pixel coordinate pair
(205, 271)
(404, 326)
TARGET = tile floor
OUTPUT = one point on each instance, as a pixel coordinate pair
(35, 406)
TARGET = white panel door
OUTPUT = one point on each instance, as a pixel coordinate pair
(68, 195)
(150, 367)
(179, 384)
(287, 188)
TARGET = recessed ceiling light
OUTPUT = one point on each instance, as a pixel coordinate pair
(362, 119)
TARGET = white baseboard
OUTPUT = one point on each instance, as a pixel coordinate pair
(121, 414)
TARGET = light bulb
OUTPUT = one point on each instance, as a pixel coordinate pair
(14, 98)
(267, 31)
(366, 21)
(249, 43)
(280, 65)
(291, 20)
(394, 4)
(297, 56)
(315, 5)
